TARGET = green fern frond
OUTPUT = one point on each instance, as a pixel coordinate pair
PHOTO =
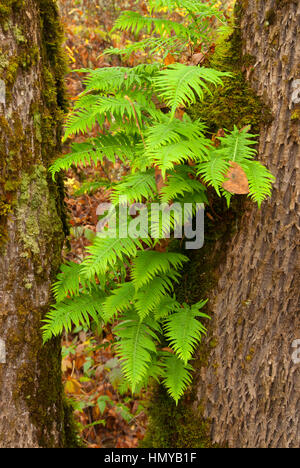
(136, 346)
(149, 298)
(81, 121)
(214, 170)
(178, 185)
(119, 301)
(177, 376)
(114, 79)
(105, 252)
(134, 22)
(260, 181)
(76, 311)
(136, 187)
(184, 331)
(149, 264)
(68, 281)
(167, 305)
(152, 45)
(108, 146)
(237, 145)
(191, 6)
(167, 132)
(181, 84)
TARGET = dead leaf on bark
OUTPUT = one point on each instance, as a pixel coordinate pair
(237, 181)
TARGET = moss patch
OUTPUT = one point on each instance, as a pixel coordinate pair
(7, 7)
(235, 103)
(166, 417)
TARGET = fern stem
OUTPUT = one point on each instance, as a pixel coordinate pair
(136, 119)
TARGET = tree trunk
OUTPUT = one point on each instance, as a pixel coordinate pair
(250, 388)
(31, 232)
(246, 390)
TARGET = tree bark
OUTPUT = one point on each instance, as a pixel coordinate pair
(31, 233)
(250, 387)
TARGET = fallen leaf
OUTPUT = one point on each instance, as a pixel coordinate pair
(169, 59)
(237, 181)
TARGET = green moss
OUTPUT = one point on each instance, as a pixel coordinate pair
(11, 140)
(4, 62)
(235, 103)
(295, 115)
(172, 426)
(7, 7)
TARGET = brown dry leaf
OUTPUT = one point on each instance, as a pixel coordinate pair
(179, 113)
(169, 59)
(197, 59)
(66, 364)
(237, 181)
(72, 387)
(215, 139)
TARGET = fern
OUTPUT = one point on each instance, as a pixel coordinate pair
(134, 22)
(136, 187)
(214, 170)
(106, 251)
(237, 147)
(68, 281)
(177, 376)
(180, 85)
(184, 331)
(260, 181)
(148, 264)
(150, 297)
(178, 185)
(115, 79)
(154, 45)
(119, 301)
(136, 346)
(128, 280)
(105, 146)
(76, 311)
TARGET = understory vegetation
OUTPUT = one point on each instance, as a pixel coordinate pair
(139, 116)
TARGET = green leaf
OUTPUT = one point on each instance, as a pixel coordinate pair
(76, 311)
(184, 331)
(181, 84)
(136, 346)
(177, 376)
(148, 264)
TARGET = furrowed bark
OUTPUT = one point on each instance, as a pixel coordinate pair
(250, 388)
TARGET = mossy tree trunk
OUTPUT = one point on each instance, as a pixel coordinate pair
(31, 233)
(247, 386)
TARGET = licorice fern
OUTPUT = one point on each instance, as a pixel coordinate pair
(129, 281)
